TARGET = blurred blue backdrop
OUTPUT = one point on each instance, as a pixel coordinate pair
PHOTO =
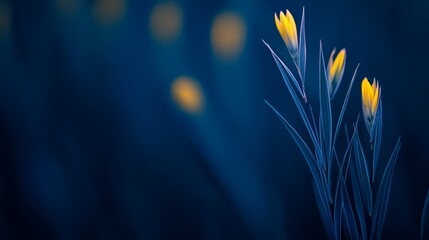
(127, 119)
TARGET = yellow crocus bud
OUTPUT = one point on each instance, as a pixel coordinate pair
(336, 71)
(370, 100)
(287, 29)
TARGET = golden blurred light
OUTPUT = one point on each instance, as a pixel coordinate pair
(109, 11)
(4, 21)
(187, 94)
(69, 6)
(228, 35)
(166, 21)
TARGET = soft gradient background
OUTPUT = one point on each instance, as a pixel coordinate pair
(139, 119)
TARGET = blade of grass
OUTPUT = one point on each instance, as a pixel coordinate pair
(341, 189)
(325, 211)
(383, 195)
(302, 49)
(282, 67)
(358, 197)
(291, 76)
(425, 214)
(347, 154)
(346, 132)
(363, 175)
(339, 192)
(320, 132)
(347, 212)
(343, 109)
(325, 109)
(313, 121)
(349, 217)
(338, 214)
(305, 150)
(378, 135)
(321, 197)
(311, 162)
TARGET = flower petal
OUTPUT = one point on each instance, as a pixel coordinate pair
(279, 26)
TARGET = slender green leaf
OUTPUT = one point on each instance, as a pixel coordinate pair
(383, 195)
(325, 108)
(305, 150)
(349, 217)
(289, 73)
(358, 197)
(343, 109)
(363, 174)
(338, 207)
(282, 67)
(377, 137)
(347, 155)
(302, 49)
(325, 211)
(425, 214)
(346, 131)
(326, 119)
(313, 120)
(322, 200)
(339, 192)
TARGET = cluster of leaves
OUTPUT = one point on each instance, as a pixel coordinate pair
(425, 216)
(353, 202)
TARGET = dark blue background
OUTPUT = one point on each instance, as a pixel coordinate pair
(93, 147)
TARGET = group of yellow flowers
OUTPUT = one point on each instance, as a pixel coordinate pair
(341, 216)
(370, 92)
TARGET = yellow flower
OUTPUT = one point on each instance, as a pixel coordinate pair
(287, 29)
(370, 100)
(336, 71)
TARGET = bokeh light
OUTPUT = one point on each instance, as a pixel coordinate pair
(228, 35)
(4, 21)
(110, 11)
(121, 118)
(187, 94)
(166, 21)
